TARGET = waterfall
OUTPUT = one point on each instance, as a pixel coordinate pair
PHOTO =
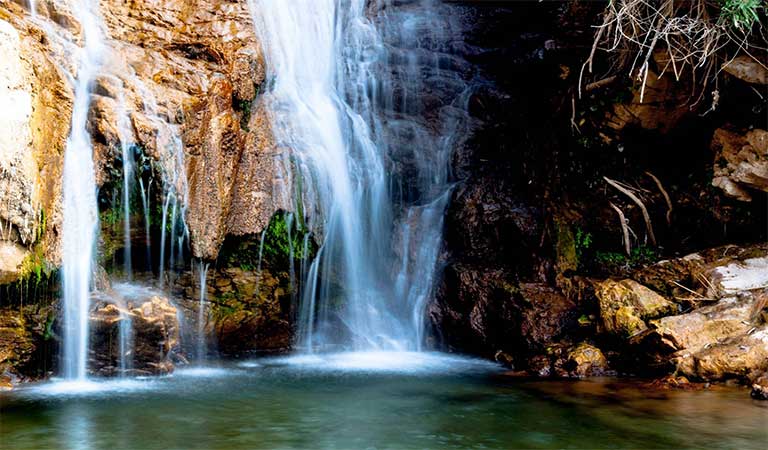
(369, 99)
(79, 201)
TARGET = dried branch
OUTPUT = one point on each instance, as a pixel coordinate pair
(666, 196)
(639, 203)
(624, 228)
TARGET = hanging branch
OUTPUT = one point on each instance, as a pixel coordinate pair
(624, 228)
(666, 196)
(639, 203)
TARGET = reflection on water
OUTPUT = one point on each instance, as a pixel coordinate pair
(363, 400)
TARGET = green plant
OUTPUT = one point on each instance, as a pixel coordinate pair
(742, 14)
(583, 242)
(639, 256)
(48, 333)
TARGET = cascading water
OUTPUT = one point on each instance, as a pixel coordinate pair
(79, 204)
(371, 142)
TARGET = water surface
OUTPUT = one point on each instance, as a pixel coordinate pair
(373, 400)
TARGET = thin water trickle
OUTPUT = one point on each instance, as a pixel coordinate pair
(79, 201)
(202, 348)
(126, 150)
(145, 193)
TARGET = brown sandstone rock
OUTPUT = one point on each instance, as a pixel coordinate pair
(735, 357)
(16, 343)
(586, 360)
(153, 336)
(626, 305)
(663, 104)
(741, 162)
(748, 69)
(760, 388)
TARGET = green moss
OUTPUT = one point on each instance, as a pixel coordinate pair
(565, 247)
(48, 330)
(283, 239)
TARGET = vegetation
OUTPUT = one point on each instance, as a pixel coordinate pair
(617, 262)
(282, 240)
(695, 37)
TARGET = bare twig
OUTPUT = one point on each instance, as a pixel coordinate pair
(624, 228)
(666, 196)
(600, 83)
(639, 203)
(696, 294)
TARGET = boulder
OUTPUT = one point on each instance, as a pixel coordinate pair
(760, 387)
(735, 357)
(151, 334)
(246, 311)
(748, 69)
(741, 162)
(738, 276)
(626, 305)
(724, 340)
(586, 360)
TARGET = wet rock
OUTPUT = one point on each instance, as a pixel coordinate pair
(474, 310)
(247, 311)
(152, 335)
(505, 359)
(741, 162)
(586, 360)
(760, 388)
(626, 305)
(747, 69)
(27, 343)
(16, 344)
(545, 315)
(253, 314)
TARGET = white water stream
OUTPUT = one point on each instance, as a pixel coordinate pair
(79, 207)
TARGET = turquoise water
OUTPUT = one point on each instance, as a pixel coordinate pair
(373, 401)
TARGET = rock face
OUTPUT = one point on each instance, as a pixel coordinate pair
(741, 162)
(661, 107)
(152, 335)
(34, 122)
(178, 81)
(246, 311)
(28, 343)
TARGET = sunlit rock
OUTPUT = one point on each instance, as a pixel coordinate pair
(626, 305)
(741, 162)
